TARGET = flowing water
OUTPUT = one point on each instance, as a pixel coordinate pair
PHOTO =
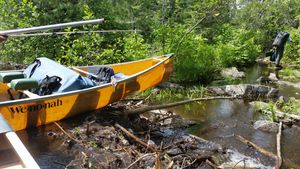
(220, 120)
(217, 121)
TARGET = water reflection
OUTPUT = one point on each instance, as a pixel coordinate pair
(219, 120)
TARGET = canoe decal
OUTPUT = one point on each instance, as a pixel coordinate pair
(35, 107)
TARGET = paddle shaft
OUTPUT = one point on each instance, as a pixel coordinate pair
(73, 32)
(47, 27)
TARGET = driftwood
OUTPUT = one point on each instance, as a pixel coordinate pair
(138, 140)
(67, 134)
(140, 158)
(163, 106)
(278, 137)
(208, 162)
(261, 150)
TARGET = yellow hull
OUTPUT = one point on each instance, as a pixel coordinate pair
(143, 74)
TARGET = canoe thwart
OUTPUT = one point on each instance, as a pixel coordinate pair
(7, 77)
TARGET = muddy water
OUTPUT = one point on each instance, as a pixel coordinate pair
(219, 120)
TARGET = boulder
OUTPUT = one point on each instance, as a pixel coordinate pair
(232, 73)
(263, 61)
(246, 91)
(259, 105)
(290, 84)
(271, 79)
(266, 125)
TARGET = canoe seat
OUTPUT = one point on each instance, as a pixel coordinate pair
(7, 77)
(23, 85)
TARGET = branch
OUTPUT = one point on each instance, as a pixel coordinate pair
(163, 106)
(138, 140)
(145, 155)
(278, 138)
(261, 150)
(72, 138)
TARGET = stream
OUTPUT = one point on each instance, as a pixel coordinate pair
(217, 121)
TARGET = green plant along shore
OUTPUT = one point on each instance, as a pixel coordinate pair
(205, 35)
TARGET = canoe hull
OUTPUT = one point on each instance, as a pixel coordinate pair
(28, 112)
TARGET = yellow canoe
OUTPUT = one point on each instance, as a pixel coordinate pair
(35, 111)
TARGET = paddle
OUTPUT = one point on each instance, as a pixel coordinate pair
(48, 27)
(23, 31)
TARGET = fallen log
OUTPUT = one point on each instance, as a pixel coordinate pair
(258, 148)
(168, 105)
(278, 138)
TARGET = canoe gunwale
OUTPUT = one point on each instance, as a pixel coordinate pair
(95, 88)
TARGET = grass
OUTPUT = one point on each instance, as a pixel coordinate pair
(290, 74)
(170, 94)
(292, 106)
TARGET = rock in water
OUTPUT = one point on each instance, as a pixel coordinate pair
(232, 73)
(246, 91)
(266, 125)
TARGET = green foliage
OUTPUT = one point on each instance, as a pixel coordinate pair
(195, 59)
(292, 50)
(290, 74)
(292, 106)
(236, 47)
(171, 95)
(205, 36)
(267, 17)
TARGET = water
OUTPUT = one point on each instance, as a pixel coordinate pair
(219, 120)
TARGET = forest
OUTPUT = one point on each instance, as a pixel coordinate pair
(205, 36)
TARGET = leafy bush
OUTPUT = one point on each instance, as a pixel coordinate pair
(195, 59)
(292, 50)
(237, 47)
